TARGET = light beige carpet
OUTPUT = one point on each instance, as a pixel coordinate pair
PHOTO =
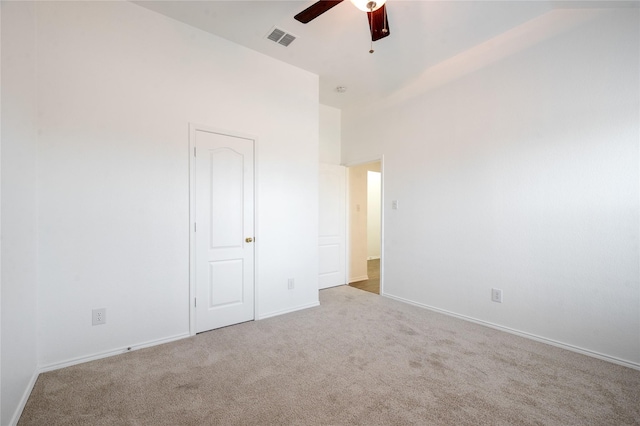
(357, 359)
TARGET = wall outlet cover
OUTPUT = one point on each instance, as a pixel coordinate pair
(496, 295)
(99, 316)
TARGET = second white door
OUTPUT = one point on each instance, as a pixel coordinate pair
(224, 229)
(332, 226)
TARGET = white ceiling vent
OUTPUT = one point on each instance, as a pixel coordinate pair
(280, 36)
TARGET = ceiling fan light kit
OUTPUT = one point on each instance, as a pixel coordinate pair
(368, 5)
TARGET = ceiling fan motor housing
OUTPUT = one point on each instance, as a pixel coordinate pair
(376, 14)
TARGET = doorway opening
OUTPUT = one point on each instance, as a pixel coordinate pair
(365, 226)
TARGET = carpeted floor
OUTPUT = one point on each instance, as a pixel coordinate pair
(357, 359)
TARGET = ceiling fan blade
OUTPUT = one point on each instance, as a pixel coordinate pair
(378, 23)
(315, 10)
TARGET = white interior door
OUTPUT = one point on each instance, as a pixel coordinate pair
(332, 216)
(223, 230)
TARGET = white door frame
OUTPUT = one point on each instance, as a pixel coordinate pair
(193, 128)
(382, 204)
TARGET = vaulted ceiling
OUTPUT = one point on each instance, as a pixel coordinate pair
(336, 45)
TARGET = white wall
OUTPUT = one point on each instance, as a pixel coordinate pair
(522, 175)
(330, 134)
(18, 248)
(118, 86)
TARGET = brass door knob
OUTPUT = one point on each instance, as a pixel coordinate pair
(249, 240)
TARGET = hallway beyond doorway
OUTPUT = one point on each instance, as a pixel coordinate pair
(373, 283)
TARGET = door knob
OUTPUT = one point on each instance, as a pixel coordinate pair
(249, 240)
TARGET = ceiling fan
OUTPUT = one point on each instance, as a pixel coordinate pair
(376, 14)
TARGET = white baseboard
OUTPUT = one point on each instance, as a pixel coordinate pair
(360, 278)
(612, 359)
(100, 355)
(24, 399)
(330, 286)
(288, 311)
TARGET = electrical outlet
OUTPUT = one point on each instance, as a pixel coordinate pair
(496, 295)
(99, 316)
(291, 284)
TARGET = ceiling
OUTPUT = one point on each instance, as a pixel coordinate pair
(424, 33)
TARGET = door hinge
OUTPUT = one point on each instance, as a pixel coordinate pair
(195, 302)
(194, 151)
(194, 227)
